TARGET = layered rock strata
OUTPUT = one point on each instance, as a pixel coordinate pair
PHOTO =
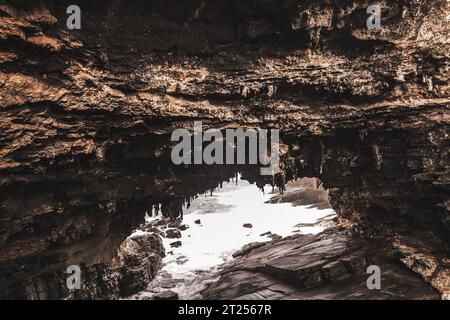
(330, 265)
(86, 117)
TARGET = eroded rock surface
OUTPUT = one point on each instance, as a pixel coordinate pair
(330, 265)
(103, 275)
(86, 118)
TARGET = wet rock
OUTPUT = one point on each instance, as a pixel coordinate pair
(183, 227)
(315, 267)
(173, 233)
(154, 230)
(175, 244)
(265, 234)
(197, 221)
(274, 236)
(247, 248)
(166, 295)
(182, 260)
(303, 225)
(164, 280)
(247, 225)
(175, 224)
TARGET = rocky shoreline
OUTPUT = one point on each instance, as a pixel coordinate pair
(329, 265)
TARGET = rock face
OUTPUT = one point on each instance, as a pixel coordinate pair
(136, 263)
(175, 244)
(86, 117)
(173, 233)
(128, 271)
(330, 265)
(304, 192)
(166, 295)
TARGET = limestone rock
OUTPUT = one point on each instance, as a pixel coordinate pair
(86, 119)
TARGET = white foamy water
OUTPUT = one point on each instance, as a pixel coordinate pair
(207, 245)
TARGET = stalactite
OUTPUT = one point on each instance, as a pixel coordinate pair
(150, 210)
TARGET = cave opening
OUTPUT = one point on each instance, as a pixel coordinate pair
(221, 224)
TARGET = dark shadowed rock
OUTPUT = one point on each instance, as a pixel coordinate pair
(175, 244)
(247, 248)
(330, 265)
(173, 233)
(154, 230)
(166, 295)
(175, 224)
(183, 227)
(135, 264)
